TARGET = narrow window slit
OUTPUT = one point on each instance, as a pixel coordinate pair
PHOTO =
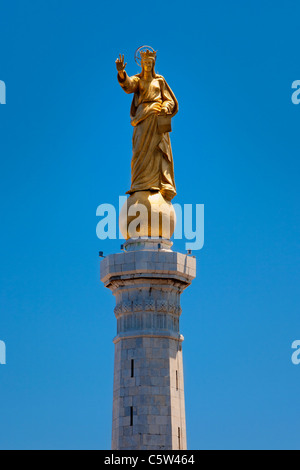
(179, 439)
(132, 367)
(177, 387)
(131, 416)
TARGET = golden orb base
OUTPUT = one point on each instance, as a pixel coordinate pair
(147, 214)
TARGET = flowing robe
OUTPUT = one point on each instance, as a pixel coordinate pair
(152, 167)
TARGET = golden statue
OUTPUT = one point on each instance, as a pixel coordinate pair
(153, 106)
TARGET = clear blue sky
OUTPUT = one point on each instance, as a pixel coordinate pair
(65, 146)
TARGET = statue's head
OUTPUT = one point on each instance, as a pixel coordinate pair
(148, 59)
(148, 65)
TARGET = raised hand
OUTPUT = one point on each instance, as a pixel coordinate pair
(120, 65)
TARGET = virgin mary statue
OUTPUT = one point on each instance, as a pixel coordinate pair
(153, 106)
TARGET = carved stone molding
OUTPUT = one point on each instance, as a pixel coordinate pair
(147, 305)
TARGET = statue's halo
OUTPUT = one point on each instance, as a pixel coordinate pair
(137, 54)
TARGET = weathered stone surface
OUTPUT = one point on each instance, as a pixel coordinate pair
(143, 262)
(148, 404)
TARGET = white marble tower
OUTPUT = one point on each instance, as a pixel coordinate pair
(147, 280)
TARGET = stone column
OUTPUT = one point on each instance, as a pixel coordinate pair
(147, 280)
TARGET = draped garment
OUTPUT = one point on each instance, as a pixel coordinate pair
(152, 166)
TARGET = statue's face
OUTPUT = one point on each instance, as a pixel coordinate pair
(148, 65)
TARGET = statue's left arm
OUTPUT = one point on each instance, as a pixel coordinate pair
(169, 104)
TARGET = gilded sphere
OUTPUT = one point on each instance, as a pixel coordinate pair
(147, 214)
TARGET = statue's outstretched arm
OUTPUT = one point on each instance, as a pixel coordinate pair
(120, 66)
(129, 84)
